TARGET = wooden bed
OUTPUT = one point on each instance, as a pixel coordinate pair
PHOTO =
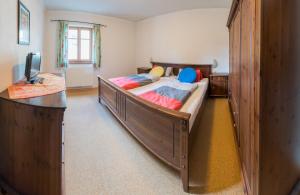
(164, 132)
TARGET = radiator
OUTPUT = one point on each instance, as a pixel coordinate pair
(80, 75)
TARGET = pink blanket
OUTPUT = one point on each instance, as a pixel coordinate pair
(167, 97)
(132, 81)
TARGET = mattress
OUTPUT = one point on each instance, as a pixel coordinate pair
(193, 103)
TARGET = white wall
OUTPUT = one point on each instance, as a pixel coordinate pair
(118, 42)
(193, 36)
(12, 55)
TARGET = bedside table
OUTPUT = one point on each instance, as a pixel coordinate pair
(141, 70)
(218, 85)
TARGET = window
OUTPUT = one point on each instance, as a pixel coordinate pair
(79, 45)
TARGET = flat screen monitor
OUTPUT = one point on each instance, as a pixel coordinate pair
(33, 66)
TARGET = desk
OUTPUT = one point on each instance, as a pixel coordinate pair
(31, 143)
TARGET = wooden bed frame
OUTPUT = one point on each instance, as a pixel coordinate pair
(163, 131)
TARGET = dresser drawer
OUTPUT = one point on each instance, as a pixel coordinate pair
(218, 88)
(219, 78)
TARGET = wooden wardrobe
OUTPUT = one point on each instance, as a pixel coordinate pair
(264, 92)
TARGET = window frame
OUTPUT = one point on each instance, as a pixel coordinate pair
(78, 60)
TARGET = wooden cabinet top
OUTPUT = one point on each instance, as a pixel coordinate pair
(219, 75)
(234, 7)
(57, 100)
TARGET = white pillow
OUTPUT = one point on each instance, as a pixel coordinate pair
(169, 71)
(179, 72)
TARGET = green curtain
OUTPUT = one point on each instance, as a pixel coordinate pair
(97, 46)
(62, 45)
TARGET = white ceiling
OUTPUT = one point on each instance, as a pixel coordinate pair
(133, 9)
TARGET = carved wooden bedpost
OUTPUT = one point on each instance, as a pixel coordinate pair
(184, 155)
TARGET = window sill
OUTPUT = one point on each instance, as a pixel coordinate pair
(80, 62)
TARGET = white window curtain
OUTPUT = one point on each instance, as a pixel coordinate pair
(62, 44)
(97, 46)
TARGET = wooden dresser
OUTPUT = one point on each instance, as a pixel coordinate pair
(264, 93)
(31, 144)
(218, 85)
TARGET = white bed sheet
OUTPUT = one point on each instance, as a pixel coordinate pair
(192, 105)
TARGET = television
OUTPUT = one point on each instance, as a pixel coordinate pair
(32, 68)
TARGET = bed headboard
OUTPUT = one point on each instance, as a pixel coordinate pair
(206, 69)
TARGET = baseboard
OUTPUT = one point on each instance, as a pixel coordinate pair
(244, 180)
(84, 87)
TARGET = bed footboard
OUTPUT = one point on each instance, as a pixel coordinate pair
(164, 132)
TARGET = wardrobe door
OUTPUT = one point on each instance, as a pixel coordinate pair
(280, 93)
(231, 42)
(246, 92)
(231, 64)
(235, 70)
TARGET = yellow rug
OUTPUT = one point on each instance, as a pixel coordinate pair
(214, 159)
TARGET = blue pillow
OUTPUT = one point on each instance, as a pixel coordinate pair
(187, 75)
